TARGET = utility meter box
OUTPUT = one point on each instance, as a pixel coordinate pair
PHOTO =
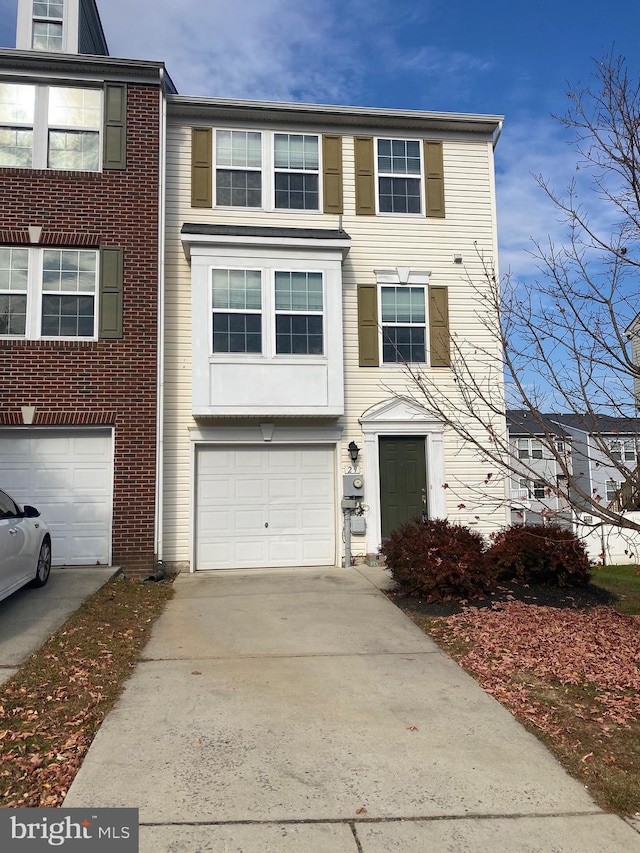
(353, 486)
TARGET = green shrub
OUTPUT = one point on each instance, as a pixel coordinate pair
(549, 555)
(438, 560)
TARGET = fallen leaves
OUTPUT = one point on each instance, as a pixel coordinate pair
(51, 709)
(598, 647)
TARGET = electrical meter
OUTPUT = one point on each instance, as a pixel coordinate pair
(353, 485)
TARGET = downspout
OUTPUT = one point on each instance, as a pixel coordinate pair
(159, 514)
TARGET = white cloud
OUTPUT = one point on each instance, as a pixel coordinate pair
(530, 147)
(272, 49)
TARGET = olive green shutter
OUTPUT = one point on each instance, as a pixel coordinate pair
(115, 126)
(365, 176)
(439, 327)
(332, 173)
(201, 166)
(434, 178)
(111, 275)
(368, 325)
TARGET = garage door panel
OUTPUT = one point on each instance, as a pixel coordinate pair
(67, 474)
(273, 506)
(283, 488)
(49, 478)
(91, 479)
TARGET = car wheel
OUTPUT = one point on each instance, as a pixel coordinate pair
(43, 569)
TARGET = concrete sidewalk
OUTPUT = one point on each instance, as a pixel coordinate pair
(299, 710)
(30, 616)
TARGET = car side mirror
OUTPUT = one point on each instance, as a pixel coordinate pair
(30, 512)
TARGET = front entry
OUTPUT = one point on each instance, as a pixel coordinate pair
(403, 480)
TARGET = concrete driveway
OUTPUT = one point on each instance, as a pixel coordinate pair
(300, 710)
(30, 616)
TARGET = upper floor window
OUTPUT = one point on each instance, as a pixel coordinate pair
(55, 127)
(239, 168)
(47, 25)
(296, 165)
(611, 487)
(399, 176)
(404, 324)
(529, 448)
(237, 311)
(299, 309)
(267, 313)
(48, 293)
(623, 451)
(240, 177)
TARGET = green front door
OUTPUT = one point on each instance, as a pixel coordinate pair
(403, 480)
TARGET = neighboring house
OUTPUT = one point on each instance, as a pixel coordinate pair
(633, 333)
(81, 154)
(538, 468)
(310, 250)
(605, 459)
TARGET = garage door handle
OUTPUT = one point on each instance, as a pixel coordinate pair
(266, 524)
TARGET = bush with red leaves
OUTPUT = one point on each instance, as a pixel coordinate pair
(438, 560)
(532, 554)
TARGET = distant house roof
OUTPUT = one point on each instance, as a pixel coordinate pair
(603, 424)
(527, 424)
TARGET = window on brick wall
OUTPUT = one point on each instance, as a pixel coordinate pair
(56, 127)
(48, 293)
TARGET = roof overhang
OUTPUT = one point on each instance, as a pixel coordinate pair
(327, 239)
(208, 109)
(37, 63)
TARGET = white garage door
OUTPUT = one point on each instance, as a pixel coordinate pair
(265, 506)
(67, 475)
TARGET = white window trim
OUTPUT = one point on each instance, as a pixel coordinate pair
(403, 276)
(41, 128)
(259, 169)
(268, 172)
(393, 175)
(35, 293)
(70, 26)
(268, 315)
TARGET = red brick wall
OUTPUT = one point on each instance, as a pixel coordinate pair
(110, 381)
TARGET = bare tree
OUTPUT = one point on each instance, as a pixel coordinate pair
(563, 344)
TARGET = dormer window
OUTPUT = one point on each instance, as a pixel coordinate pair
(47, 25)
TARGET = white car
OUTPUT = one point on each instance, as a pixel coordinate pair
(25, 547)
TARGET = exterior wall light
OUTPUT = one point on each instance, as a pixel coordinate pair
(354, 451)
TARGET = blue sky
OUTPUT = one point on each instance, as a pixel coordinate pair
(500, 57)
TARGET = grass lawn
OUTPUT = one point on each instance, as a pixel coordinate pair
(566, 663)
(51, 709)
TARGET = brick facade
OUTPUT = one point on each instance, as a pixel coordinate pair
(104, 382)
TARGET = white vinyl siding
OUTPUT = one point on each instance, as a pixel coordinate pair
(416, 242)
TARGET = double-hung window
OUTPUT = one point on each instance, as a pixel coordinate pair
(403, 324)
(47, 25)
(299, 312)
(623, 451)
(529, 448)
(399, 176)
(238, 168)
(48, 293)
(237, 311)
(17, 117)
(55, 127)
(296, 171)
(611, 487)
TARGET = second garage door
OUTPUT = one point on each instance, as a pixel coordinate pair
(265, 506)
(68, 475)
